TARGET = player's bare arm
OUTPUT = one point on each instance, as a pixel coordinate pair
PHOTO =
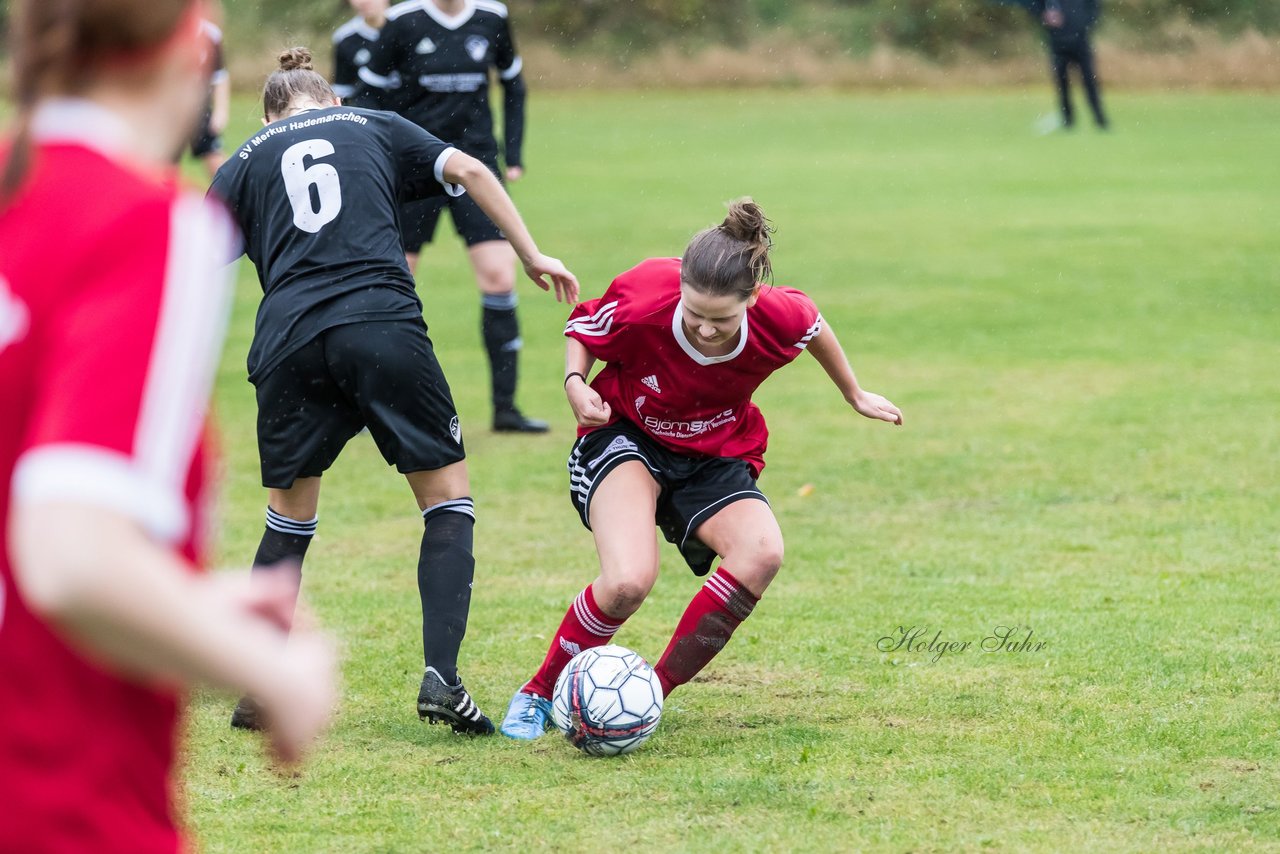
(184, 630)
(492, 198)
(827, 350)
(588, 407)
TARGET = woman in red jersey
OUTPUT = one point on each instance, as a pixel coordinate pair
(112, 309)
(668, 435)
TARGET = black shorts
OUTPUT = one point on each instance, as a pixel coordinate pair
(418, 219)
(693, 489)
(205, 141)
(382, 375)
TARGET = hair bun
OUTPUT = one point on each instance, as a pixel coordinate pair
(295, 58)
(746, 222)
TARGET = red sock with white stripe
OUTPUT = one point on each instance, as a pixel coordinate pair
(708, 623)
(583, 627)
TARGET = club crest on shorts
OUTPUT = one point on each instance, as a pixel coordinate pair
(455, 430)
(477, 48)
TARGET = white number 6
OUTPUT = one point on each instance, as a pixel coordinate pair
(299, 179)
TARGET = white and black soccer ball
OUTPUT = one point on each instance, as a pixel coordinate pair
(607, 701)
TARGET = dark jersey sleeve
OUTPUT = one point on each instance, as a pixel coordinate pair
(1091, 13)
(386, 57)
(421, 157)
(509, 64)
(222, 191)
(346, 78)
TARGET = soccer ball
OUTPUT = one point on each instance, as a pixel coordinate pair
(607, 701)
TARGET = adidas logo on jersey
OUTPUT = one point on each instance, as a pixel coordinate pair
(652, 382)
(425, 46)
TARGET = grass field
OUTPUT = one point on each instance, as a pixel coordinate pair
(1082, 331)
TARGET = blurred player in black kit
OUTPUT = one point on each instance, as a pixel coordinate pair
(1067, 26)
(206, 144)
(340, 344)
(352, 49)
(435, 58)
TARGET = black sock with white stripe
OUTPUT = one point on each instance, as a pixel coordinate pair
(500, 329)
(284, 539)
(446, 568)
(284, 542)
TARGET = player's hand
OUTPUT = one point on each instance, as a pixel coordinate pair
(514, 173)
(300, 702)
(269, 595)
(566, 284)
(297, 700)
(588, 407)
(872, 405)
(1053, 18)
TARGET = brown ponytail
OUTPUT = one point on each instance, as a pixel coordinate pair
(58, 46)
(295, 77)
(733, 257)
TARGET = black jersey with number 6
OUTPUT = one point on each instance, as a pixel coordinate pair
(317, 196)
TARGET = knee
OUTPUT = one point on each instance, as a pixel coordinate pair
(769, 558)
(496, 278)
(756, 564)
(624, 597)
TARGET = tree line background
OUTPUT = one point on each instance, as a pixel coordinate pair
(623, 33)
(937, 29)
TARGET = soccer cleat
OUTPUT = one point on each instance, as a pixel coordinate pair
(514, 421)
(528, 717)
(247, 715)
(451, 704)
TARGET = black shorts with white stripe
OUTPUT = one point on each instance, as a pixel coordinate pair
(377, 374)
(693, 489)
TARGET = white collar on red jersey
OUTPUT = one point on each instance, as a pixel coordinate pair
(82, 122)
(677, 329)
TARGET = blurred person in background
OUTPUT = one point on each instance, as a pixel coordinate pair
(112, 307)
(206, 144)
(434, 57)
(1068, 25)
(353, 44)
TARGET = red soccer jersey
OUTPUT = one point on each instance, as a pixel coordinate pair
(656, 378)
(112, 312)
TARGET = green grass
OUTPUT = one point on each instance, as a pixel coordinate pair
(1082, 332)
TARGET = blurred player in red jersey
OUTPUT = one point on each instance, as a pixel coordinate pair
(668, 435)
(108, 346)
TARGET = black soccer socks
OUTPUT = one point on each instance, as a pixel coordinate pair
(445, 570)
(501, 331)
